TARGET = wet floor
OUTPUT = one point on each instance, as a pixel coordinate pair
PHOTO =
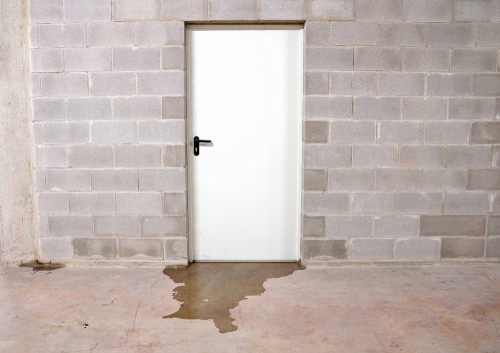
(321, 310)
(209, 291)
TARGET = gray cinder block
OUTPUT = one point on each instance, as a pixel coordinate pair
(313, 226)
(349, 227)
(420, 203)
(174, 204)
(70, 226)
(46, 11)
(472, 108)
(330, 10)
(382, 10)
(450, 34)
(87, 11)
(376, 58)
(402, 34)
(444, 179)
(112, 84)
(401, 84)
(114, 132)
(468, 156)
(424, 108)
(316, 83)
(456, 132)
(328, 107)
(143, 249)
(467, 60)
(462, 248)
(136, 59)
(187, 10)
(160, 33)
(487, 85)
(326, 203)
(483, 179)
(351, 180)
(69, 35)
(234, 10)
(89, 109)
(352, 132)
(50, 156)
(115, 180)
(137, 108)
(137, 156)
(91, 157)
(169, 179)
(425, 59)
(173, 155)
(64, 85)
(375, 156)
(353, 33)
(162, 131)
(47, 60)
(321, 250)
(164, 226)
(176, 249)
(315, 180)
(141, 203)
(87, 59)
(173, 107)
(376, 108)
(339, 59)
(428, 10)
(68, 179)
(466, 203)
(373, 203)
(449, 85)
(465, 225)
(53, 203)
(327, 156)
(110, 34)
(371, 249)
(95, 248)
(282, 10)
(92, 203)
(161, 83)
(354, 83)
(399, 132)
(421, 156)
(316, 131)
(317, 33)
(418, 249)
(398, 179)
(484, 132)
(114, 226)
(132, 10)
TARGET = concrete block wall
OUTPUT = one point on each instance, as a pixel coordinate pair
(401, 131)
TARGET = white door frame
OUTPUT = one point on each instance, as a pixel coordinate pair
(189, 147)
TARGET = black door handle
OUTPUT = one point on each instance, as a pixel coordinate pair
(197, 142)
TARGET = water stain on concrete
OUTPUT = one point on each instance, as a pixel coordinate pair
(211, 290)
(38, 266)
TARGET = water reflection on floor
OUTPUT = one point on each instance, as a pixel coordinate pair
(208, 291)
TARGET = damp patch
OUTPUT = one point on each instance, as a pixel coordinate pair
(210, 290)
(37, 266)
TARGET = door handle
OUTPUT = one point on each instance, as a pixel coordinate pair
(197, 142)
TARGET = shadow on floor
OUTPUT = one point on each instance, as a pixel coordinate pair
(211, 290)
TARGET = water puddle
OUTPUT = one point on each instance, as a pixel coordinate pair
(211, 290)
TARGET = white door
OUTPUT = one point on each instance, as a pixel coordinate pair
(245, 96)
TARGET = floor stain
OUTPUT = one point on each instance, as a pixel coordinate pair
(38, 266)
(211, 290)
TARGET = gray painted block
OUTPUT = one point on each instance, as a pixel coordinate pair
(173, 155)
(172, 58)
(162, 131)
(476, 10)
(316, 83)
(428, 10)
(112, 84)
(92, 203)
(424, 59)
(176, 249)
(90, 157)
(110, 34)
(421, 156)
(418, 249)
(382, 10)
(398, 179)
(168, 83)
(493, 248)
(173, 107)
(141, 249)
(62, 35)
(494, 203)
(53, 203)
(487, 85)
(376, 108)
(136, 59)
(324, 250)
(170, 179)
(70, 226)
(162, 226)
(352, 132)
(46, 11)
(117, 226)
(368, 58)
(449, 85)
(349, 227)
(87, 59)
(396, 226)
(68, 179)
(114, 132)
(315, 180)
(330, 10)
(353, 33)
(402, 34)
(447, 132)
(313, 226)
(47, 60)
(487, 34)
(132, 10)
(115, 180)
(137, 108)
(373, 203)
(485, 132)
(450, 34)
(143, 203)
(282, 10)
(484, 179)
(375, 156)
(466, 203)
(452, 248)
(371, 249)
(187, 10)
(493, 226)
(87, 11)
(339, 59)
(467, 60)
(64, 85)
(472, 108)
(59, 248)
(174, 204)
(234, 10)
(89, 109)
(351, 180)
(468, 156)
(328, 107)
(67, 132)
(160, 33)
(399, 132)
(444, 179)
(465, 225)
(137, 156)
(325, 203)
(316, 131)
(327, 156)
(98, 249)
(354, 83)
(317, 33)
(420, 203)
(401, 84)
(50, 157)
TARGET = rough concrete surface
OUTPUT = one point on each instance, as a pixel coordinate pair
(349, 309)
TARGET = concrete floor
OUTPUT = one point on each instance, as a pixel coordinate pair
(350, 309)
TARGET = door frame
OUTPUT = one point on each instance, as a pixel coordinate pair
(189, 119)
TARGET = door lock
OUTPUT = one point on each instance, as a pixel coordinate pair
(197, 142)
